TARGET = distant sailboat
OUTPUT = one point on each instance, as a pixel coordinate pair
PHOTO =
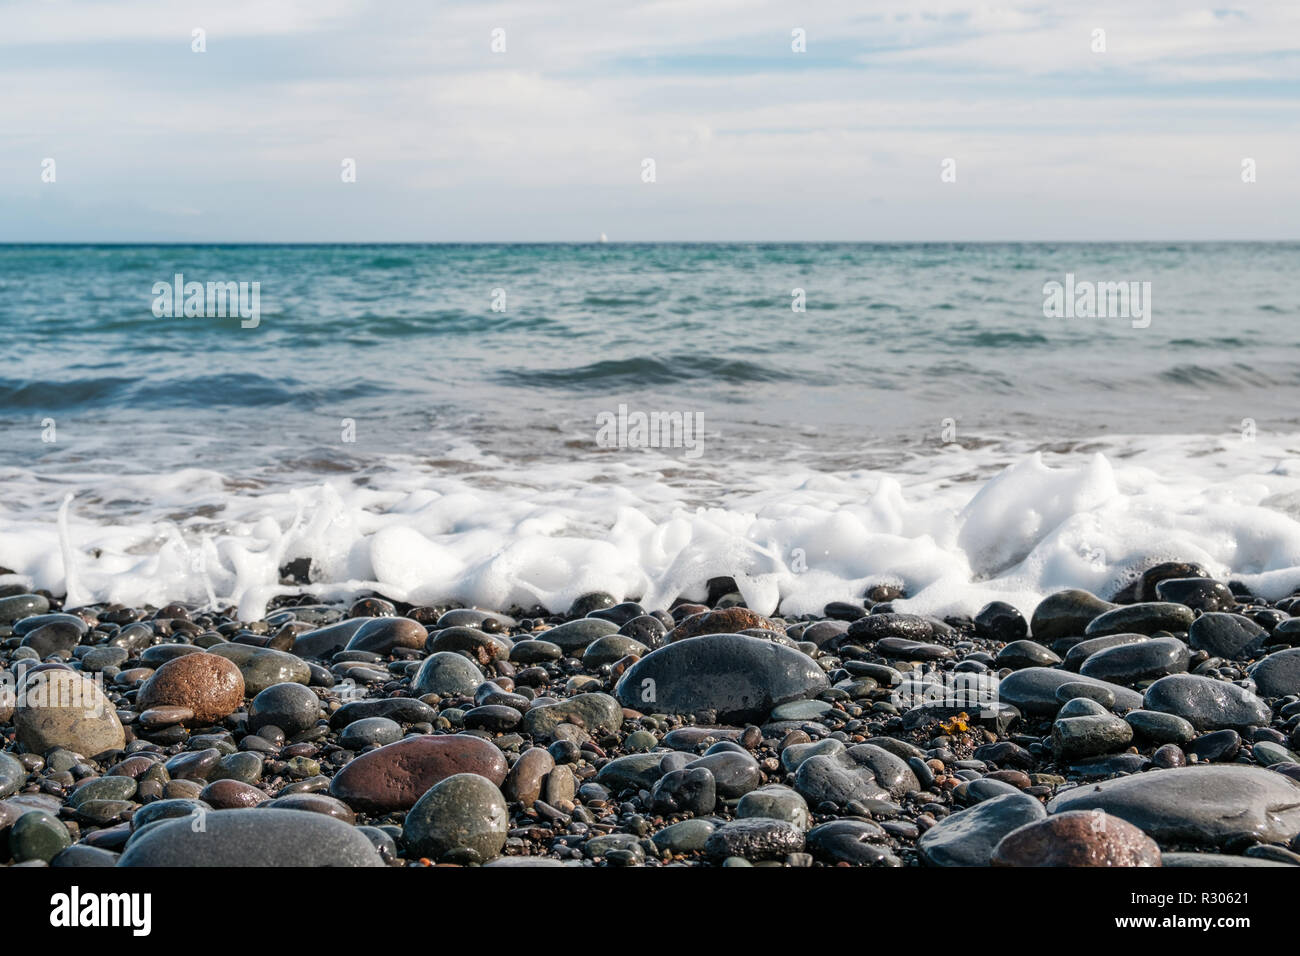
(604, 238)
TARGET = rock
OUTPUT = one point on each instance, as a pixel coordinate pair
(523, 784)
(692, 791)
(208, 684)
(1074, 690)
(1145, 618)
(1145, 587)
(252, 838)
(37, 836)
(755, 838)
(12, 775)
(1033, 690)
(688, 836)
(463, 817)
(403, 710)
(1079, 838)
(383, 635)
(446, 674)
(262, 666)
(775, 802)
(1278, 674)
(861, 773)
(610, 648)
(726, 621)
(901, 649)
(478, 646)
(1066, 614)
(18, 606)
(1200, 594)
(1020, 654)
(738, 679)
(394, 776)
(999, 621)
(535, 652)
(633, 772)
(80, 855)
(1219, 806)
(1081, 651)
(850, 841)
(60, 708)
(1131, 663)
(1214, 859)
(1076, 737)
(595, 713)
(291, 707)
(1218, 747)
(969, 837)
(1160, 728)
(56, 637)
(1220, 634)
(370, 732)
(1207, 704)
(735, 773)
(323, 642)
(232, 795)
(875, 627)
(576, 635)
(315, 803)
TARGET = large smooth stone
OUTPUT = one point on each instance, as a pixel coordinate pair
(208, 684)
(1033, 690)
(252, 837)
(595, 713)
(324, 642)
(1220, 634)
(447, 674)
(1145, 618)
(1220, 806)
(1130, 663)
(381, 635)
(464, 814)
(263, 666)
(395, 776)
(1278, 675)
(1065, 614)
(60, 708)
(1206, 703)
(739, 679)
(968, 837)
(1081, 838)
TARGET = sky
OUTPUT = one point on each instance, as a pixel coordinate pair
(1049, 137)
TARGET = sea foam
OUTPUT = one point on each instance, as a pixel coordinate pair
(956, 528)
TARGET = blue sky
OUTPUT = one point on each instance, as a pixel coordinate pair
(545, 141)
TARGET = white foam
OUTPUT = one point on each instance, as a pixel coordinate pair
(957, 529)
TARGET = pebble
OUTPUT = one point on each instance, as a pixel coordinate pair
(1218, 806)
(393, 777)
(1143, 618)
(1220, 634)
(754, 839)
(462, 817)
(1207, 704)
(60, 708)
(289, 706)
(736, 679)
(1128, 664)
(969, 837)
(1077, 838)
(253, 838)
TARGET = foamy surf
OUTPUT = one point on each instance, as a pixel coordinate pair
(957, 528)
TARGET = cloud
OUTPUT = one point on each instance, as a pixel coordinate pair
(545, 141)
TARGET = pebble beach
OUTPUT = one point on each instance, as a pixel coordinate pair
(1151, 727)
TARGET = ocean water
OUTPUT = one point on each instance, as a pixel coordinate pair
(429, 421)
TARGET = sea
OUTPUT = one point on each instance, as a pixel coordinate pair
(516, 425)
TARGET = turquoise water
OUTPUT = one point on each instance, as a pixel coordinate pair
(404, 340)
